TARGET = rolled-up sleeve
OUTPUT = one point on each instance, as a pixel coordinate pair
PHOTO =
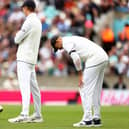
(22, 33)
(76, 60)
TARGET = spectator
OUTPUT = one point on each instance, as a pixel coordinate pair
(105, 85)
(113, 60)
(45, 64)
(107, 37)
(17, 15)
(124, 35)
(120, 84)
(68, 17)
(61, 66)
(122, 65)
(11, 82)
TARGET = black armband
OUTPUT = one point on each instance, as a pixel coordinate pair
(72, 51)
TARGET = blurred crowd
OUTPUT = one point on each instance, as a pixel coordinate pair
(65, 17)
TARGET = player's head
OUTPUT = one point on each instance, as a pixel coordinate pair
(28, 6)
(56, 42)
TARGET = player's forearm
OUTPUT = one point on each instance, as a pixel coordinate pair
(80, 74)
(18, 38)
(22, 33)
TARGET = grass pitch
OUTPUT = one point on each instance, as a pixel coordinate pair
(62, 117)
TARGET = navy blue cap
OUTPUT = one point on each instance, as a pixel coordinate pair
(29, 4)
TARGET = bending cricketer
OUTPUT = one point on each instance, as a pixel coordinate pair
(91, 79)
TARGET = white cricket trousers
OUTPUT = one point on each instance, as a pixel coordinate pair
(28, 84)
(91, 91)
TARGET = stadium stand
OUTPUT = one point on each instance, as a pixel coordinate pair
(67, 17)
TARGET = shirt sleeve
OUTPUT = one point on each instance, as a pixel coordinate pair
(76, 60)
(22, 33)
(69, 46)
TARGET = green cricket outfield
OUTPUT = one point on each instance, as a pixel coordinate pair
(63, 117)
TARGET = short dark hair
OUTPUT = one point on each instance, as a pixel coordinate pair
(53, 42)
(30, 4)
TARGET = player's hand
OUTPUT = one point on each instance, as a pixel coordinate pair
(80, 83)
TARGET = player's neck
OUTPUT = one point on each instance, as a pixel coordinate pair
(28, 13)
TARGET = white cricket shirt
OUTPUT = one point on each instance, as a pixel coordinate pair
(85, 49)
(28, 39)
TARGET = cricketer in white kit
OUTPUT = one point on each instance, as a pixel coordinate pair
(28, 40)
(91, 79)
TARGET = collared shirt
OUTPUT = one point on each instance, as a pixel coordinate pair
(81, 48)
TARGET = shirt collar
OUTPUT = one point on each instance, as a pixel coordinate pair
(31, 15)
